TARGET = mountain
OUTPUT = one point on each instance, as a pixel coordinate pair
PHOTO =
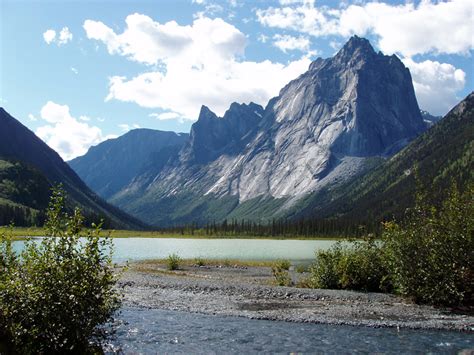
(443, 154)
(327, 126)
(38, 160)
(429, 119)
(111, 165)
(24, 193)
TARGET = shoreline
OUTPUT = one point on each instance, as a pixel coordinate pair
(246, 291)
(22, 233)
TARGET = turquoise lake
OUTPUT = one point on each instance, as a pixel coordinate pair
(133, 249)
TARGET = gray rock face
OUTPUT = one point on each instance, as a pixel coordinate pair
(111, 165)
(212, 136)
(319, 129)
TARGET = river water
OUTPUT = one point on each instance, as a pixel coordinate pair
(150, 331)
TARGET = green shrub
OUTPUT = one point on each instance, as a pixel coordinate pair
(431, 254)
(359, 265)
(173, 261)
(428, 258)
(280, 273)
(301, 268)
(227, 263)
(199, 261)
(283, 264)
(325, 270)
(57, 293)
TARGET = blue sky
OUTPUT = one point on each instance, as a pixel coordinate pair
(79, 72)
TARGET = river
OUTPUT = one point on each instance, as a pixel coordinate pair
(151, 331)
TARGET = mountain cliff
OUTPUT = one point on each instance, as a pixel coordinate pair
(442, 155)
(325, 127)
(111, 165)
(36, 159)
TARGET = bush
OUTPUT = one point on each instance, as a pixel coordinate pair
(283, 264)
(431, 254)
(280, 273)
(57, 293)
(300, 269)
(173, 262)
(200, 261)
(428, 258)
(359, 265)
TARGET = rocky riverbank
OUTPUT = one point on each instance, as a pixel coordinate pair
(247, 291)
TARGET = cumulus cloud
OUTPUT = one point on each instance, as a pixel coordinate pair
(289, 43)
(165, 116)
(64, 36)
(66, 134)
(407, 29)
(197, 64)
(49, 36)
(150, 42)
(126, 127)
(436, 84)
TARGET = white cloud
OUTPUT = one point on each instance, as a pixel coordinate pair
(335, 45)
(408, 29)
(289, 2)
(65, 134)
(165, 116)
(49, 36)
(126, 127)
(289, 43)
(262, 38)
(144, 40)
(199, 64)
(436, 84)
(32, 117)
(74, 70)
(64, 36)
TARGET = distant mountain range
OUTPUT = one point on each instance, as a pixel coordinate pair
(340, 141)
(429, 119)
(340, 119)
(29, 167)
(110, 166)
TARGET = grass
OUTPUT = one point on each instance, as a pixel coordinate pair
(202, 262)
(22, 232)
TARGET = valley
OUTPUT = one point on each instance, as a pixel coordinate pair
(340, 202)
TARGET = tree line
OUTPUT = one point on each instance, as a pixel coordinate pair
(20, 216)
(310, 227)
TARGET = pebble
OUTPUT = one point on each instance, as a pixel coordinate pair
(222, 290)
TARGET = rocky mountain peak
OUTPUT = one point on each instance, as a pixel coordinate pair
(206, 114)
(355, 49)
(243, 111)
(212, 136)
(320, 129)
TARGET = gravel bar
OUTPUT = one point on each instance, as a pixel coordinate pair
(248, 292)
